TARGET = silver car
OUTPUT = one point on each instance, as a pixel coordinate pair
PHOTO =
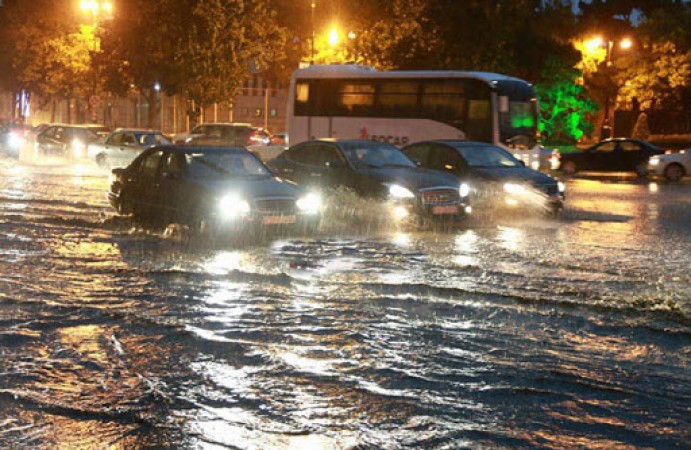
(120, 147)
(673, 166)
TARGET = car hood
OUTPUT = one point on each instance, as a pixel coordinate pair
(412, 177)
(250, 187)
(510, 174)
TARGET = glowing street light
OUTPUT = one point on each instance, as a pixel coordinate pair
(334, 38)
(96, 7)
(598, 44)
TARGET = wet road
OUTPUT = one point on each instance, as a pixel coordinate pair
(517, 332)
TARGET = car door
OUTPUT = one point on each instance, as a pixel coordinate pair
(111, 147)
(631, 154)
(129, 148)
(297, 162)
(446, 159)
(54, 143)
(171, 193)
(144, 185)
(329, 167)
(419, 153)
(602, 158)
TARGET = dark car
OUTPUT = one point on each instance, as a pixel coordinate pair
(374, 169)
(218, 189)
(225, 134)
(68, 141)
(494, 173)
(611, 155)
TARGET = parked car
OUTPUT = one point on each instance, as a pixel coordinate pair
(377, 170)
(673, 166)
(120, 147)
(493, 173)
(68, 141)
(224, 190)
(225, 134)
(611, 155)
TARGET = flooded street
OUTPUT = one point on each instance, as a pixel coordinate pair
(513, 332)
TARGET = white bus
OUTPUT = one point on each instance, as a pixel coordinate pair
(401, 107)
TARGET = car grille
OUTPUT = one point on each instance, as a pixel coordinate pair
(549, 189)
(285, 205)
(440, 196)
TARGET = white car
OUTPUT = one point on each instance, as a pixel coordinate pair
(673, 166)
(120, 147)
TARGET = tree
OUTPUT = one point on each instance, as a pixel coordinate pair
(564, 107)
(50, 53)
(225, 43)
(641, 129)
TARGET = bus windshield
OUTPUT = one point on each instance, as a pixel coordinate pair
(518, 119)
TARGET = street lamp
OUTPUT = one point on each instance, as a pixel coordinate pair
(593, 45)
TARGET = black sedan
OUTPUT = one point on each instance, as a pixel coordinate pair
(611, 155)
(210, 188)
(377, 170)
(494, 173)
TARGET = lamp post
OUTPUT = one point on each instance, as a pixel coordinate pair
(97, 9)
(593, 44)
(313, 5)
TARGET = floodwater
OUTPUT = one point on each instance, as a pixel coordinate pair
(522, 331)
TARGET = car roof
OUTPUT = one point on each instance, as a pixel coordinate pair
(224, 124)
(198, 148)
(455, 143)
(346, 141)
(136, 130)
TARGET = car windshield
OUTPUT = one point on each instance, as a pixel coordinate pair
(487, 156)
(224, 164)
(374, 154)
(149, 139)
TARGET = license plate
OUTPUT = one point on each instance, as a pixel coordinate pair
(276, 220)
(446, 209)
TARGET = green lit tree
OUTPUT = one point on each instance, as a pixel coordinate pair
(564, 106)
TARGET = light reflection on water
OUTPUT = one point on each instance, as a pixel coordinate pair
(525, 333)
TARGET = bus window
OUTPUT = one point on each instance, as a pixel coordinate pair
(443, 100)
(397, 98)
(356, 98)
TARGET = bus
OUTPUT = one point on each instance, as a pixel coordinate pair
(402, 107)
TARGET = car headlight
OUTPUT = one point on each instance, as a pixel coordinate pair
(654, 161)
(561, 186)
(516, 189)
(78, 148)
(309, 204)
(399, 192)
(464, 190)
(232, 206)
(15, 140)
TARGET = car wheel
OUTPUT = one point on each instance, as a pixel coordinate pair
(102, 161)
(674, 172)
(569, 168)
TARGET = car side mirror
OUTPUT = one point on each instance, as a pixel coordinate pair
(522, 162)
